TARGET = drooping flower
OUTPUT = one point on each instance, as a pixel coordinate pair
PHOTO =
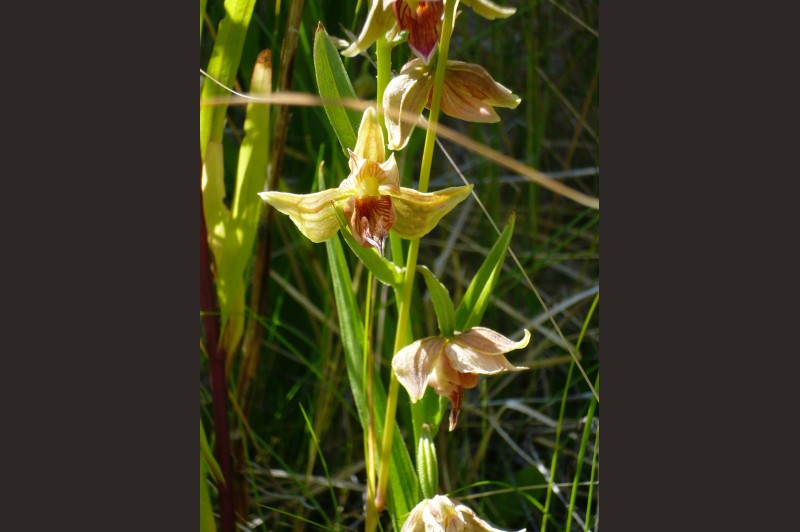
(440, 514)
(448, 365)
(371, 197)
(423, 20)
(469, 93)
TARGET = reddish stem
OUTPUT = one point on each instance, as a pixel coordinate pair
(219, 388)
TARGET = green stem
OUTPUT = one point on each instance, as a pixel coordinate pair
(411, 264)
(438, 87)
(400, 340)
(384, 56)
(367, 378)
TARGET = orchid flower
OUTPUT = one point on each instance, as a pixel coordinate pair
(440, 514)
(448, 365)
(469, 93)
(423, 21)
(371, 197)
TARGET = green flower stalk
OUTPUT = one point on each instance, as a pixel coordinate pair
(411, 263)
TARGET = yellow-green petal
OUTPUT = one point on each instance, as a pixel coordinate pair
(370, 138)
(488, 9)
(379, 21)
(419, 212)
(313, 214)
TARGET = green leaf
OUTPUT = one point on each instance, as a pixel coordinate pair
(402, 477)
(251, 176)
(223, 66)
(472, 306)
(333, 83)
(232, 233)
(213, 184)
(442, 304)
(382, 269)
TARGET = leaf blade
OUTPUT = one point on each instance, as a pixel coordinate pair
(334, 84)
(402, 474)
(476, 299)
(442, 303)
(223, 66)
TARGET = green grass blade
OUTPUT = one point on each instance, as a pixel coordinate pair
(472, 306)
(442, 304)
(208, 456)
(223, 66)
(310, 428)
(587, 427)
(297, 517)
(333, 82)
(591, 478)
(402, 477)
(207, 462)
(207, 523)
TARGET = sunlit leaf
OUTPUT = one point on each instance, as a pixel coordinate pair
(223, 66)
(442, 304)
(472, 306)
(333, 83)
(402, 477)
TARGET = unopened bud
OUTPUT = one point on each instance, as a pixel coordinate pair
(427, 464)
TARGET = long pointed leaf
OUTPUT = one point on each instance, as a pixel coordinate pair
(442, 304)
(472, 306)
(251, 175)
(333, 83)
(402, 477)
(223, 66)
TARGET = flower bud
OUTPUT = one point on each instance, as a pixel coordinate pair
(427, 463)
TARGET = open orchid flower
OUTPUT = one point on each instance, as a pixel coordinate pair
(423, 21)
(469, 93)
(440, 514)
(448, 365)
(372, 199)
